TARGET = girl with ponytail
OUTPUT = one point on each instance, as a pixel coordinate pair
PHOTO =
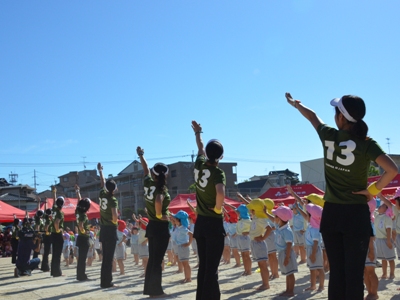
(345, 224)
(157, 201)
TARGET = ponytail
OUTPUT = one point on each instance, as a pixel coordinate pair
(355, 106)
(359, 130)
(161, 183)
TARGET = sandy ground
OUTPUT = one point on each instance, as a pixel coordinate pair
(41, 286)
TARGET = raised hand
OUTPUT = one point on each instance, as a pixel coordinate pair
(196, 126)
(139, 151)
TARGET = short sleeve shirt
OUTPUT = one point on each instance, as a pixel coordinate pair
(283, 235)
(382, 222)
(206, 178)
(150, 195)
(298, 222)
(258, 227)
(397, 218)
(82, 217)
(312, 234)
(346, 161)
(243, 226)
(181, 235)
(57, 214)
(107, 202)
(142, 236)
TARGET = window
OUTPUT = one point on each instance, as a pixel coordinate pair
(174, 190)
(173, 173)
(65, 179)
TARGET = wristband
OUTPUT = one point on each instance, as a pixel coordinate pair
(372, 189)
(83, 231)
(58, 231)
(217, 211)
(141, 153)
(115, 223)
(198, 132)
(159, 216)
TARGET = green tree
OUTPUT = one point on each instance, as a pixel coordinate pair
(192, 187)
(373, 171)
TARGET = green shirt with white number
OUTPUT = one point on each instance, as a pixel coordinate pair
(82, 217)
(106, 203)
(150, 195)
(346, 161)
(206, 178)
(57, 214)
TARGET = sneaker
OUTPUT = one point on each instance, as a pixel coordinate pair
(28, 272)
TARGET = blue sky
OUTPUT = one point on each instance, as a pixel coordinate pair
(91, 80)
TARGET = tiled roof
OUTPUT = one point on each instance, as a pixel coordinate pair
(13, 197)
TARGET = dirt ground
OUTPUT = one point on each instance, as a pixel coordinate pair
(233, 286)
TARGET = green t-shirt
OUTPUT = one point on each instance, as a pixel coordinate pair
(39, 223)
(57, 214)
(15, 230)
(47, 222)
(150, 195)
(206, 178)
(106, 204)
(82, 217)
(346, 161)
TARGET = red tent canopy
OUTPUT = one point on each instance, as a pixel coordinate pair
(180, 202)
(281, 194)
(69, 209)
(7, 213)
(394, 183)
(391, 188)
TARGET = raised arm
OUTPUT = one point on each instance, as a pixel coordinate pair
(192, 208)
(385, 200)
(140, 153)
(197, 132)
(102, 180)
(54, 193)
(309, 114)
(243, 199)
(78, 192)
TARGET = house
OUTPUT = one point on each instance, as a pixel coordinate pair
(21, 196)
(257, 185)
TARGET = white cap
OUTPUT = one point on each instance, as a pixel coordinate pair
(337, 102)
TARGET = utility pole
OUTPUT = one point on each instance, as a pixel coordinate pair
(34, 180)
(388, 143)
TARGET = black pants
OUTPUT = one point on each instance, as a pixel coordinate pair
(57, 242)
(82, 242)
(108, 239)
(14, 246)
(46, 251)
(346, 230)
(158, 237)
(209, 234)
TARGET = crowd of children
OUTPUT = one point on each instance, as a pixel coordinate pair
(276, 237)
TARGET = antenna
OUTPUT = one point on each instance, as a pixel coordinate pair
(84, 164)
(13, 178)
(388, 143)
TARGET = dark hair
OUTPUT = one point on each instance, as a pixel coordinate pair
(110, 186)
(161, 183)
(397, 199)
(214, 151)
(355, 106)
